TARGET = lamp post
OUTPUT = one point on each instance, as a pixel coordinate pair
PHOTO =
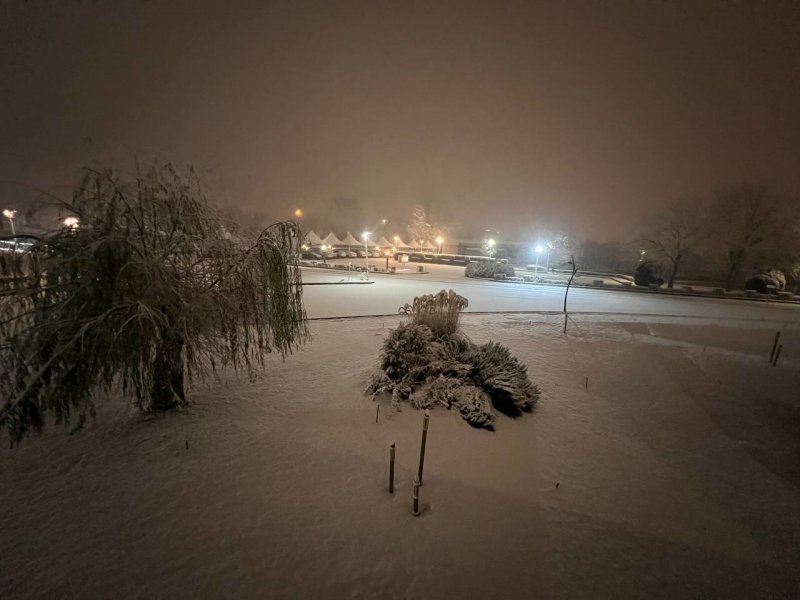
(71, 222)
(9, 214)
(549, 247)
(538, 249)
(365, 237)
(439, 242)
(324, 249)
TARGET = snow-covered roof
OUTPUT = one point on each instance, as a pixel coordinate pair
(313, 239)
(332, 240)
(383, 242)
(349, 240)
(400, 244)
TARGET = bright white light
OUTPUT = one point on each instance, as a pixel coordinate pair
(323, 247)
(383, 221)
(439, 241)
(365, 236)
(490, 242)
(9, 214)
(539, 248)
(71, 222)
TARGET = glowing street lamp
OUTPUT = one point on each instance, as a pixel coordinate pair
(324, 249)
(538, 249)
(298, 213)
(439, 242)
(71, 222)
(365, 237)
(9, 214)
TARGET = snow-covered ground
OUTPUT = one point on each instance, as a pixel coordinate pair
(675, 473)
(391, 291)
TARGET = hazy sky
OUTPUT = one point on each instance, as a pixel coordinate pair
(508, 115)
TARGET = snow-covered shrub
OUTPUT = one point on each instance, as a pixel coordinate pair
(648, 273)
(446, 369)
(504, 378)
(440, 312)
(485, 268)
(766, 277)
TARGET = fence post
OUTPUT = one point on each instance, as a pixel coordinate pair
(774, 346)
(777, 354)
(415, 496)
(425, 420)
(391, 468)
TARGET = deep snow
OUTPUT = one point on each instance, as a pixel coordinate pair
(676, 473)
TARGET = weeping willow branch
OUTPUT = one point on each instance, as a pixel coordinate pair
(152, 286)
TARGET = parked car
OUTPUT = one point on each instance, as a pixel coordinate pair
(308, 255)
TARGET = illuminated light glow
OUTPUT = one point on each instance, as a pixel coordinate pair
(298, 213)
(365, 236)
(9, 214)
(439, 241)
(490, 242)
(539, 249)
(71, 222)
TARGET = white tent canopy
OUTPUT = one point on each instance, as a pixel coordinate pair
(332, 240)
(384, 243)
(349, 240)
(400, 244)
(313, 239)
(413, 244)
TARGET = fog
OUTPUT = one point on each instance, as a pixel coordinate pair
(512, 116)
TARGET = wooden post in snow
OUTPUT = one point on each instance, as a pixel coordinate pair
(415, 496)
(425, 420)
(774, 346)
(391, 468)
(777, 354)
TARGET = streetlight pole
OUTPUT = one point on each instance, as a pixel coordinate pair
(9, 214)
(538, 249)
(365, 235)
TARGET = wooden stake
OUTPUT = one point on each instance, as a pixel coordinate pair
(777, 354)
(415, 495)
(391, 468)
(425, 420)
(774, 346)
(377, 412)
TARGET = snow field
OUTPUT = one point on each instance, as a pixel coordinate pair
(674, 474)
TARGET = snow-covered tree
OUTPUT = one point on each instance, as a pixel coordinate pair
(150, 287)
(675, 232)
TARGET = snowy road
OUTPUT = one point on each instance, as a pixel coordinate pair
(388, 292)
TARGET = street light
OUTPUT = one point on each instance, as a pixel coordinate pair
(9, 214)
(71, 222)
(298, 213)
(365, 237)
(324, 249)
(538, 249)
(439, 242)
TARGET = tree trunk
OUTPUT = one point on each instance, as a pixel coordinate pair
(168, 375)
(673, 273)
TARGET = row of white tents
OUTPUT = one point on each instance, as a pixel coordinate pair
(312, 239)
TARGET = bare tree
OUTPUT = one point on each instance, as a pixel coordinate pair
(150, 286)
(679, 229)
(743, 218)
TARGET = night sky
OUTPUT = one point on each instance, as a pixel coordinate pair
(505, 115)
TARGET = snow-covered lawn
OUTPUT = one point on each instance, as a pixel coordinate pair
(676, 473)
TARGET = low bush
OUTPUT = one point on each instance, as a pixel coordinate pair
(442, 367)
(648, 274)
(765, 280)
(488, 269)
